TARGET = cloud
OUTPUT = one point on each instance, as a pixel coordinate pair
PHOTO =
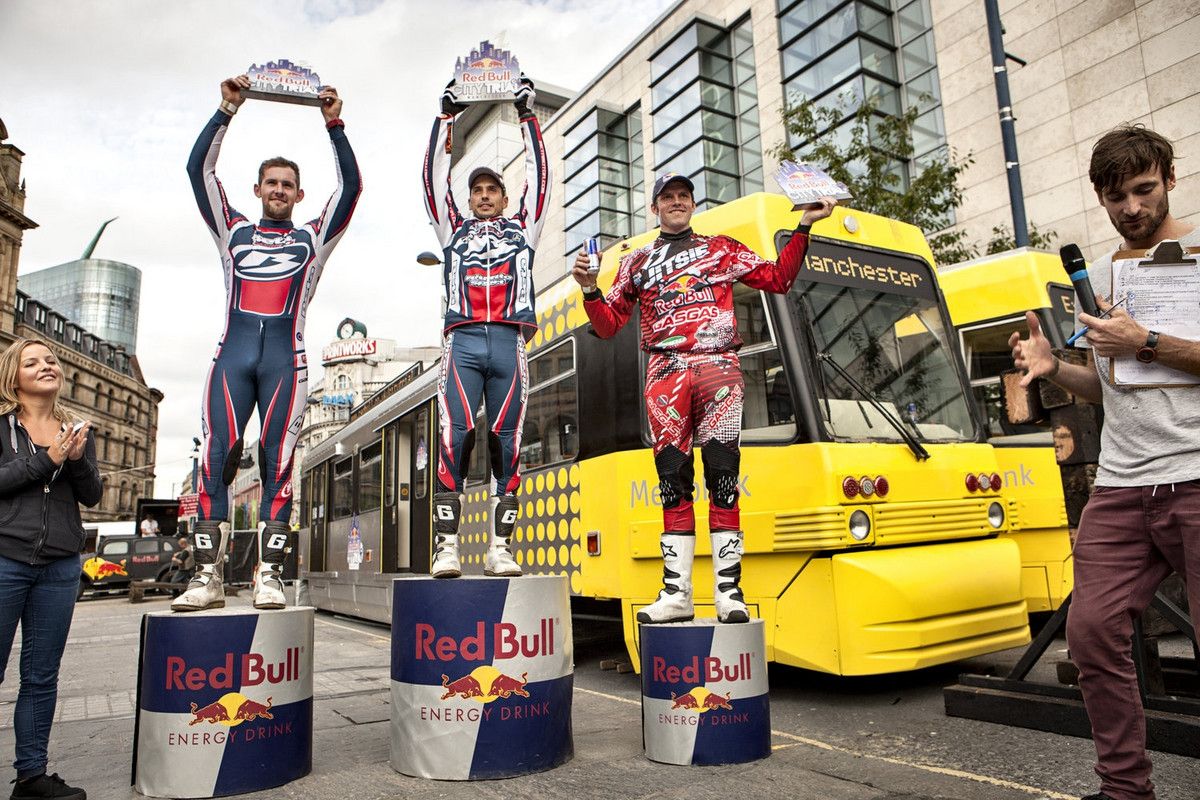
(108, 107)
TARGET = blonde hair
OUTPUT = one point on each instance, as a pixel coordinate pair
(10, 365)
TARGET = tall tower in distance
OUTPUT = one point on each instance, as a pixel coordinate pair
(100, 295)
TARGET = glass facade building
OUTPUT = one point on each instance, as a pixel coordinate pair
(98, 295)
(848, 51)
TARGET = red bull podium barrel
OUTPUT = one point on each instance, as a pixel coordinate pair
(482, 675)
(224, 702)
(704, 692)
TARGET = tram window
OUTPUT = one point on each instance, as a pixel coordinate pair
(343, 488)
(751, 315)
(551, 432)
(422, 457)
(768, 413)
(370, 463)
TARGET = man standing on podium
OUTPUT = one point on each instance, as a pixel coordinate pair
(271, 271)
(490, 315)
(682, 283)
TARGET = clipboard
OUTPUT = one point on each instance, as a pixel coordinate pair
(1161, 288)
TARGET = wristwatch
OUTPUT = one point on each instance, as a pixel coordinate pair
(1148, 352)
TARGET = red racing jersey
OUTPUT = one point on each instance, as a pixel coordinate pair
(683, 285)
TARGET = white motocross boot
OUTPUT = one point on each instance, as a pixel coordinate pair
(674, 603)
(206, 589)
(499, 561)
(447, 506)
(275, 541)
(727, 573)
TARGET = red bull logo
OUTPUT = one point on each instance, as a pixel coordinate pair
(702, 670)
(244, 710)
(253, 670)
(505, 642)
(701, 701)
(226, 713)
(484, 685)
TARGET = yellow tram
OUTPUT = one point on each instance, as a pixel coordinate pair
(875, 512)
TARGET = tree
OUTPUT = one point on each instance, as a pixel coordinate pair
(871, 161)
(1003, 239)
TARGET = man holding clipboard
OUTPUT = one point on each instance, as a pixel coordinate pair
(1143, 520)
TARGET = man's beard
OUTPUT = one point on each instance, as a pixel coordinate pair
(1145, 227)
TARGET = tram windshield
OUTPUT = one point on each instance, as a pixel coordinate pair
(876, 315)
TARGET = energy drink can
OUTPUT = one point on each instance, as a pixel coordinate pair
(593, 254)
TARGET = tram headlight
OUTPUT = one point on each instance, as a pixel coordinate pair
(995, 515)
(860, 525)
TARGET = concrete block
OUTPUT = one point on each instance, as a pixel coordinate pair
(1123, 105)
(1102, 79)
(1172, 46)
(1101, 44)
(1174, 83)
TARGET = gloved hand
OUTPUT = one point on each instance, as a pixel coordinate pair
(450, 104)
(524, 96)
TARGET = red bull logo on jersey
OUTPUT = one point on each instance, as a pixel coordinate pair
(250, 670)
(502, 641)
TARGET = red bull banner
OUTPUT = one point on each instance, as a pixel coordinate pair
(482, 675)
(704, 692)
(224, 702)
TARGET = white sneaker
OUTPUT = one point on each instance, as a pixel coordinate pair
(445, 558)
(727, 574)
(674, 603)
(206, 589)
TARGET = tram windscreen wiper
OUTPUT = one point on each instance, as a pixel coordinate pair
(917, 448)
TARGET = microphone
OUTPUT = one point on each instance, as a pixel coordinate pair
(1073, 263)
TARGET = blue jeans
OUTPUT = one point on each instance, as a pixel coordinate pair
(42, 599)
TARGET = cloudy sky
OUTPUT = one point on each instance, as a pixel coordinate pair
(106, 99)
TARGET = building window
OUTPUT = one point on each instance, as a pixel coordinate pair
(551, 432)
(839, 54)
(705, 111)
(605, 187)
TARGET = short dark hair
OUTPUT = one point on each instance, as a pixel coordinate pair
(1128, 151)
(279, 161)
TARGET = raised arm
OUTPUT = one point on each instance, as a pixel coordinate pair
(336, 215)
(535, 195)
(435, 174)
(777, 276)
(202, 164)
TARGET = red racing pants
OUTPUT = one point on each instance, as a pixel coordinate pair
(695, 400)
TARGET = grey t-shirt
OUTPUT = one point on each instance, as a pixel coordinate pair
(1150, 436)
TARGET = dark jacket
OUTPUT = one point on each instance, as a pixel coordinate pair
(39, 502)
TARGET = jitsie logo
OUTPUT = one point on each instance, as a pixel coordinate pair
(658, 266)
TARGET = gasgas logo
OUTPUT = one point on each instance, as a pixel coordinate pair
(233, 708)
(468, 697)
(691, 707)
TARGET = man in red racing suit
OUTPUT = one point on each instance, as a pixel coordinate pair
(682, 283)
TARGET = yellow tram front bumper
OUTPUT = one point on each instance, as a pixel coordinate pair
(879, 611)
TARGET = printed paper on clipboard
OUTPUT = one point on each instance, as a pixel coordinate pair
(805, 184)
(1161, 288)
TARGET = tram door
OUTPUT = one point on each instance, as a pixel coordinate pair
(397, 439)
(420, 494)
(316, 492)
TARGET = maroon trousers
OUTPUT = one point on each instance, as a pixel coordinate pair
(1129, 541)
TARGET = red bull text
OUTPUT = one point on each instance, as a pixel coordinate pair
(252, 672)
(506, 642)
(702, 670)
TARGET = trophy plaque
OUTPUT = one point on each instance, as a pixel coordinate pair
(806, 184)
(486, 75)
(283, 81)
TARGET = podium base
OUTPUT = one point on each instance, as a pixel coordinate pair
(482, 676)
(704, 692)
(224, 702)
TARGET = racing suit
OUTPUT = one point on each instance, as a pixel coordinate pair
(488, 277)
(271, 270)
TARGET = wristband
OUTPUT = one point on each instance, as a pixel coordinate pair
(228, 107)
(334, 123)
(592, 293)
